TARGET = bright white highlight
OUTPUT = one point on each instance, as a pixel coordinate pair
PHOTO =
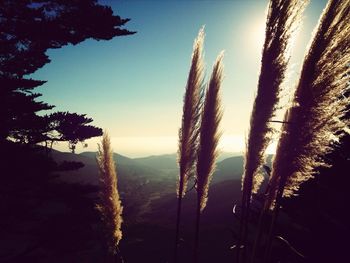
(256, 35)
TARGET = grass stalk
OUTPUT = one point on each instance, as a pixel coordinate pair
(209, 138)
(109, 204)
(315, 121)
(283, 19)
(189, 132)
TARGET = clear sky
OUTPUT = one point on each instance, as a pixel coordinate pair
(133, 86)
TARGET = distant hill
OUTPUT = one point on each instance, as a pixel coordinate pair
(169, 161)
(126, 167)
(224, 155)
(138, 183)
(229, 169)
(144, 182)
(85, 175)
(156, 168)
(163, 162)
(120, 159)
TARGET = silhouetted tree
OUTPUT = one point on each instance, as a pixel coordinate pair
(71, 127)
(18, 108)
(28, 28)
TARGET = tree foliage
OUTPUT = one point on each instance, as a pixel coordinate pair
(28, 28)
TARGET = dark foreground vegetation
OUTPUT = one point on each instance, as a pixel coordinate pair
(47, 218)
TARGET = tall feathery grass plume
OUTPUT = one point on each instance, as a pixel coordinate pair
(109, 202)
(209, 138)
(315, 120)
(189, 132)
(283, 21)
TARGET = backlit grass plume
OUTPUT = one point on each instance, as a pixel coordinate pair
(209, 138)
(209, 133)
(315, 120)
(188, 134)
(109, 205)
(283, 19)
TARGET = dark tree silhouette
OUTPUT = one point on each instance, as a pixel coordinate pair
(28, 28)
(71, 127)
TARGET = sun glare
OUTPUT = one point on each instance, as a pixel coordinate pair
(257, 34)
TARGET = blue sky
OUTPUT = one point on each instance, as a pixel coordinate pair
(133, 86)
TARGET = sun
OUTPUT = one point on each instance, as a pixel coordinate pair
(257, 34)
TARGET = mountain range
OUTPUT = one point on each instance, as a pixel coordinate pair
(162, 166)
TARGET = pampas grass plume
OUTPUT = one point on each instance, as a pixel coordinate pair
(188, 134)
(109, 205)
(208, 141)
(315, 120)
(209, 133)
(283, 20)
